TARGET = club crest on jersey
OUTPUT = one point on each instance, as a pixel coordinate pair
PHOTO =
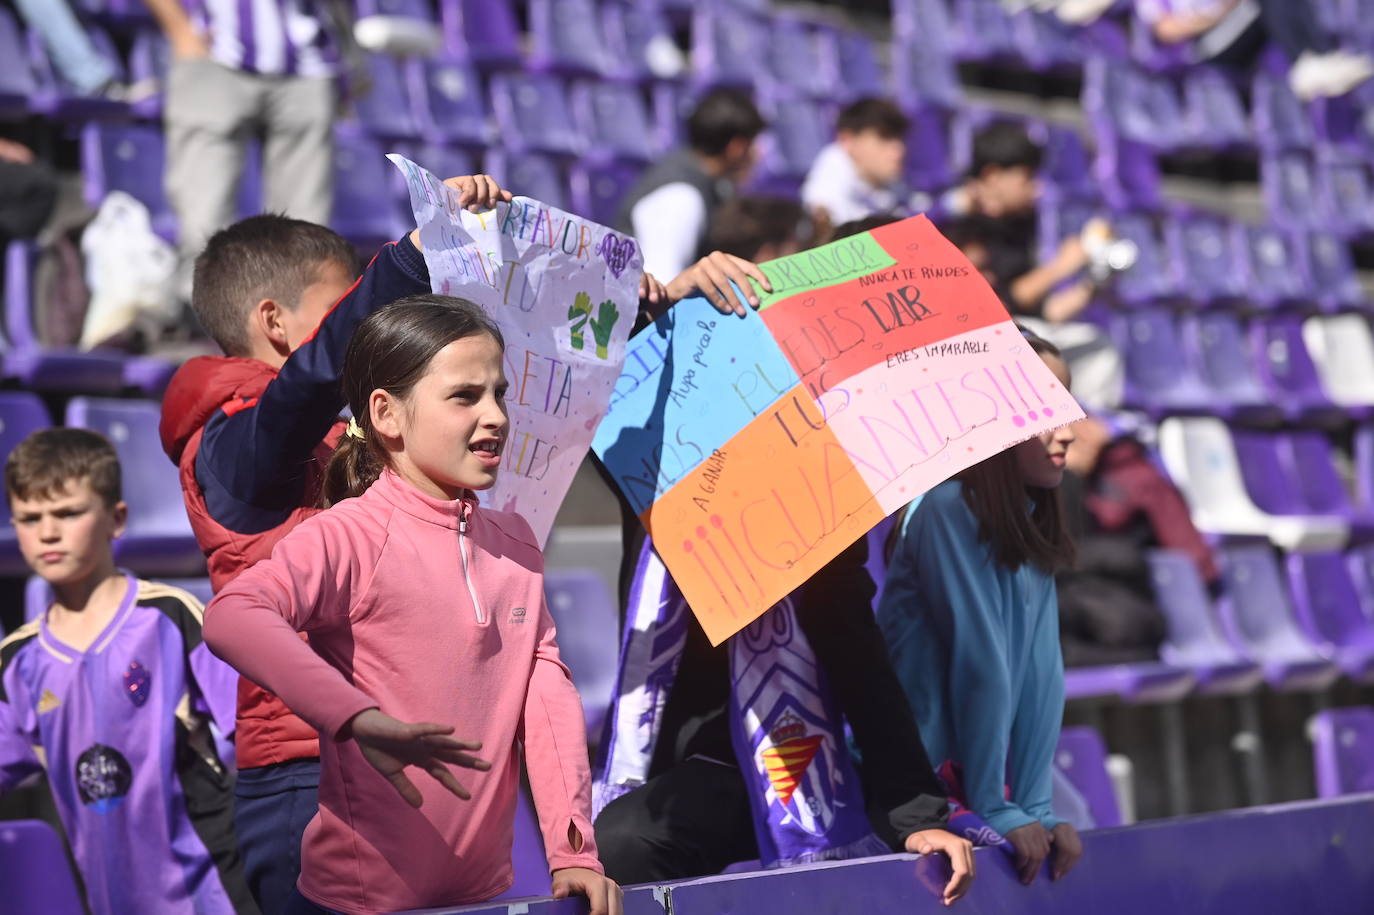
(103, 777)
(137, 682)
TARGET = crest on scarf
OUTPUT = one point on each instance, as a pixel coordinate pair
(787, 760)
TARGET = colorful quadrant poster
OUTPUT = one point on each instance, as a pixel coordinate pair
(755, 449)
(565, 292)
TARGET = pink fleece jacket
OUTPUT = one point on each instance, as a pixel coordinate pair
(411, 610)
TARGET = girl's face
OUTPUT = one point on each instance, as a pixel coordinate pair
(1041, 459)
(446, 436)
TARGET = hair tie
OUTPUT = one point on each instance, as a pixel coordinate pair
(354, 430)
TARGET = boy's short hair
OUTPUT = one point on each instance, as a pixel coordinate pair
(866, 224)
(43, 465)
(1004, 144)
(261, 257)
(743, 225)
(722, 115)
(877, 114)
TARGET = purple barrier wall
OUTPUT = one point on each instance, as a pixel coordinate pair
(1312, 856)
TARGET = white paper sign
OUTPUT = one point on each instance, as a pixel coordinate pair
(565, 291)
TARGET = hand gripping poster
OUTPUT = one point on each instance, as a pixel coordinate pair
(564, 291)
(755, 449)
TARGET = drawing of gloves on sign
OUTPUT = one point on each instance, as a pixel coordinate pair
(580, 313)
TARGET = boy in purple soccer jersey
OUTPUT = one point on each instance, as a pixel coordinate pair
(112, 692)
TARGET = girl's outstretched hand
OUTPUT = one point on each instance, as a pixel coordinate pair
(478, 193)
(605, 897)
(390, 746)
(712, 277)
(957, 849)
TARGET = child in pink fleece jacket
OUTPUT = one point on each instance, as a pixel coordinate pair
(420, 607)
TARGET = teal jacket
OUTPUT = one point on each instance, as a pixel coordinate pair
(976, 648)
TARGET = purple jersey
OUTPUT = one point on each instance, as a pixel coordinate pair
(123, 732)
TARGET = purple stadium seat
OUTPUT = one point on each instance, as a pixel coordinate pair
(1344, 124)
(1159, 378)
(1346, 186)
(159, 538)
(1082, 756)
(34, 870)
(566, 38)
(1126, 172)
(21, 413)
(1272, 267)
(444, 161)
(1256, 616)
(148, 375)
(928, 167)
(1122, 98)
(18, 84)
(531, 175)
(728, 47)
(1047, 43)
(451, 106)
(1149, 280)
(410, 9)
(587, 618)
(795, 58)
(671, 104)
(43, 368)
(1140, 682)
(1343, 750)
(1195, 641)
(1068, 164)
(1291, 193)
(1220, 350)
(1329, 612)
(860, 72)
(364, 208)
(386, 112)
(129, 158)
(1281, 123)
(984, 33)
(637, 36)
(922, 17)
(923, 73)
(1286, 369)
(532, 114)
(599, 187)
(1359, 562)
(1329, 270)
(616, 114)
(1364, 466)
(1154, 55)
(1294, 473)
(483, 31)
(1202, 253)
(798, 129)
(1214, 115)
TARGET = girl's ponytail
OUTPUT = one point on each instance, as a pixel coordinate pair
(354, 466)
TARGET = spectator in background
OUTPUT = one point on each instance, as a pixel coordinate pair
(28, 192)
(1232, 32)
(669, 209)
(241, 69)
(69, 48)
(997, 227)
(760, 228)
(860, 173)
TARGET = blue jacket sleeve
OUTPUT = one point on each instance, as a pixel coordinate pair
(251, 463)
(1039, 715)
(959, 588)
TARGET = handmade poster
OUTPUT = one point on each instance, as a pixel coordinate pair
(755, 449)
(564, 291)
